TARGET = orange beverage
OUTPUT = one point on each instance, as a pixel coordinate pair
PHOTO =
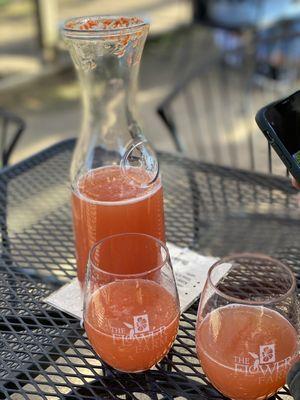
(106, 202)
(131, 324)
(246, 351)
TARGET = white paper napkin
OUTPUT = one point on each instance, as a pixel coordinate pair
(190, 269)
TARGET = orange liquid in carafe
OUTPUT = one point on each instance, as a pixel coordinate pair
(106, 202)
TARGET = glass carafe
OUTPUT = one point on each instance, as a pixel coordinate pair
(116, 185)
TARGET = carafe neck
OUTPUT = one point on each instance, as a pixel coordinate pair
(106, 52)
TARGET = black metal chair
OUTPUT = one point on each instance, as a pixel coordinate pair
(11, 129)
(210, 112)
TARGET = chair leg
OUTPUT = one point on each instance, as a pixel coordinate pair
(171, 128)
(3, 225)
(7, 153)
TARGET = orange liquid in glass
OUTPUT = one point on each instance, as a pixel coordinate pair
(106, 202)
(246, 351)
(131, 324)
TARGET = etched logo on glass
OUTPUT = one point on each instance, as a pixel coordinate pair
(263, 362)
(141, 323)
(267, 354)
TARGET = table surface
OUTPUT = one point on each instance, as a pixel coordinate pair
(43, 352)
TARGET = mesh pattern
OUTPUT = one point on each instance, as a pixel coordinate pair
(254, 279)
(44, 353)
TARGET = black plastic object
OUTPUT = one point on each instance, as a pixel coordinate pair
(44, 353)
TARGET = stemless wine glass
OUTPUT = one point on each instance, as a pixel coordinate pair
(248, 326)
(131, 306)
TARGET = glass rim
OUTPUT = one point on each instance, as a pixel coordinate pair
(130, 276)
(103, 31)
(236, 256)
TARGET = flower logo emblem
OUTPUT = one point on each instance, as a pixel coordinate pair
(267, 354)
(141, 323)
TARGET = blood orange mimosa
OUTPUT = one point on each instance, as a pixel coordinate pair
(142, 330)
(131, 319)
(247, 326)
(252, 371)
(106, 51)
(107, 201)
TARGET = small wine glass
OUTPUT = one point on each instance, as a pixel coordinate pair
(248, 326)
(131, 305)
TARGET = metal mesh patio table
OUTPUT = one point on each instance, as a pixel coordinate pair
(44, 353)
